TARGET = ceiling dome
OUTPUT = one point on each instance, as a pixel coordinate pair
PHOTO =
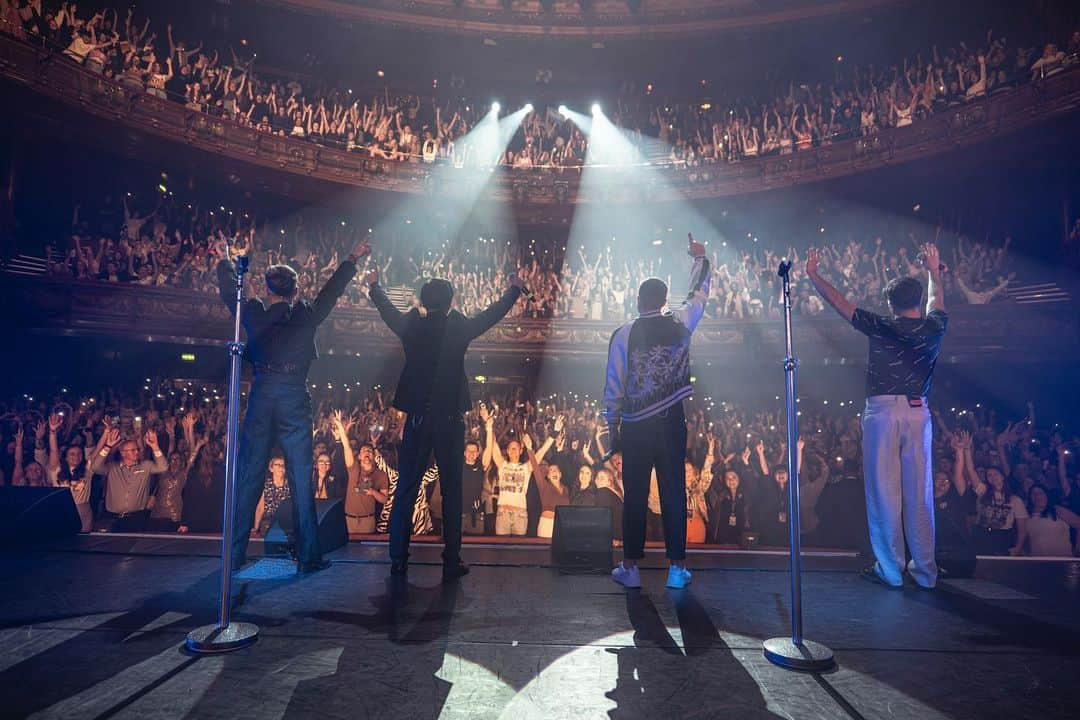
(579, 18)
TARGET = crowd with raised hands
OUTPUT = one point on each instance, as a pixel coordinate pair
(165, 242)
(680, 132)
(154, 459)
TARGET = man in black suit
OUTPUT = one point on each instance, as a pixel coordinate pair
(434, 394)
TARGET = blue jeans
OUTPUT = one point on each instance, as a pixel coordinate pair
(278, 410)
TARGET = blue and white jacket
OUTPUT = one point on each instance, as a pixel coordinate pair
(648, 368)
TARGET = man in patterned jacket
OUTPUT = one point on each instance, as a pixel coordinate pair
(648, 377)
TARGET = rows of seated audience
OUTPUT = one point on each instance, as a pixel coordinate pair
(1003, 485)
(142, 55)
(170, 245)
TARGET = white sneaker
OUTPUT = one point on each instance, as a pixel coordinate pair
(627, 577)
(678, 577)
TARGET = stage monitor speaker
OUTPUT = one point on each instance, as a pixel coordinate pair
(581, 539)
(30, 514)
(281, 538)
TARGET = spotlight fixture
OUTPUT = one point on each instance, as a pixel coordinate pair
(563, 110)
(496, 107)
(596, 109)
(528, 107)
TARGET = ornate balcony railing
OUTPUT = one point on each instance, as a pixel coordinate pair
(1005, 331)
(148, 120)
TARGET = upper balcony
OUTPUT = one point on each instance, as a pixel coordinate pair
(146, 127)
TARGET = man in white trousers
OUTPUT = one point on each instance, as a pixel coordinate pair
(897, 431)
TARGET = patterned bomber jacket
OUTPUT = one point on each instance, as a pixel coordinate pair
(648, 368)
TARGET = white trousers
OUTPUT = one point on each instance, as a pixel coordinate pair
(897, 450)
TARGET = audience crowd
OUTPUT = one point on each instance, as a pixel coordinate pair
(142, 56)
(171, 246)
(154, 460)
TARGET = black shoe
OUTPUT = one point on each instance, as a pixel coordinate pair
(399, 568)
(870, 574)
(312, 567)
(453, 570)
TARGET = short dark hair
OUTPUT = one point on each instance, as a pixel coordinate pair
(281, 280)
(436, 294)
(652, 294)
(904, 293)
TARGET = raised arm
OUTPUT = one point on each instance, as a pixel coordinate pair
(487, 318)
(834, 297)
(335, 287)
(960, 444)
(935, 299)
(693, 307)
(492, 452)
(394, 318)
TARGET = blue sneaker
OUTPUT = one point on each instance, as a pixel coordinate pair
(678, 577)
(627, 577)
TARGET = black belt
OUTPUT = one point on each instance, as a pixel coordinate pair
(286, 368)
(359, 517)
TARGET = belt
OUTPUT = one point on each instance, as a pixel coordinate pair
(359, 517)
(286, 368)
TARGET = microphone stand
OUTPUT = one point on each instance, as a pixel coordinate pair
(225, 635)
(795, 652)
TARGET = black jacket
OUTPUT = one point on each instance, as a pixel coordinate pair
(283, 334)
(433, 380)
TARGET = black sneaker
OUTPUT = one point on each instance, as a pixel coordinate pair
(454, 570)
(399, 568)
(312, 567)
(871, 575)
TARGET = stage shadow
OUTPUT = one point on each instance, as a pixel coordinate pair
(391, 681)
(658, 678)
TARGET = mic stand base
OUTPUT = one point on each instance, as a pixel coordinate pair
(210, 639)
(807, 656)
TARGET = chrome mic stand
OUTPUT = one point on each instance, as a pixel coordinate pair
(227, 635)
(795, 652)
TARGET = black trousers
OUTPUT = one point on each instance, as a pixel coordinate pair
(660, 442)
(445, 435)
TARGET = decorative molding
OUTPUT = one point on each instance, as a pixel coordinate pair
(603, 19)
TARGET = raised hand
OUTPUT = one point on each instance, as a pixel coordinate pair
(486, 415)
(150, 438)
(112, 436)
(371, 276)
(694, 249)
(931, 258)
(560, 424)
(518, 280)
(746, 456)
(526, 440)
(813, 258)
(55, 423)
(39, 430)
(362, 250)
(800, 444)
